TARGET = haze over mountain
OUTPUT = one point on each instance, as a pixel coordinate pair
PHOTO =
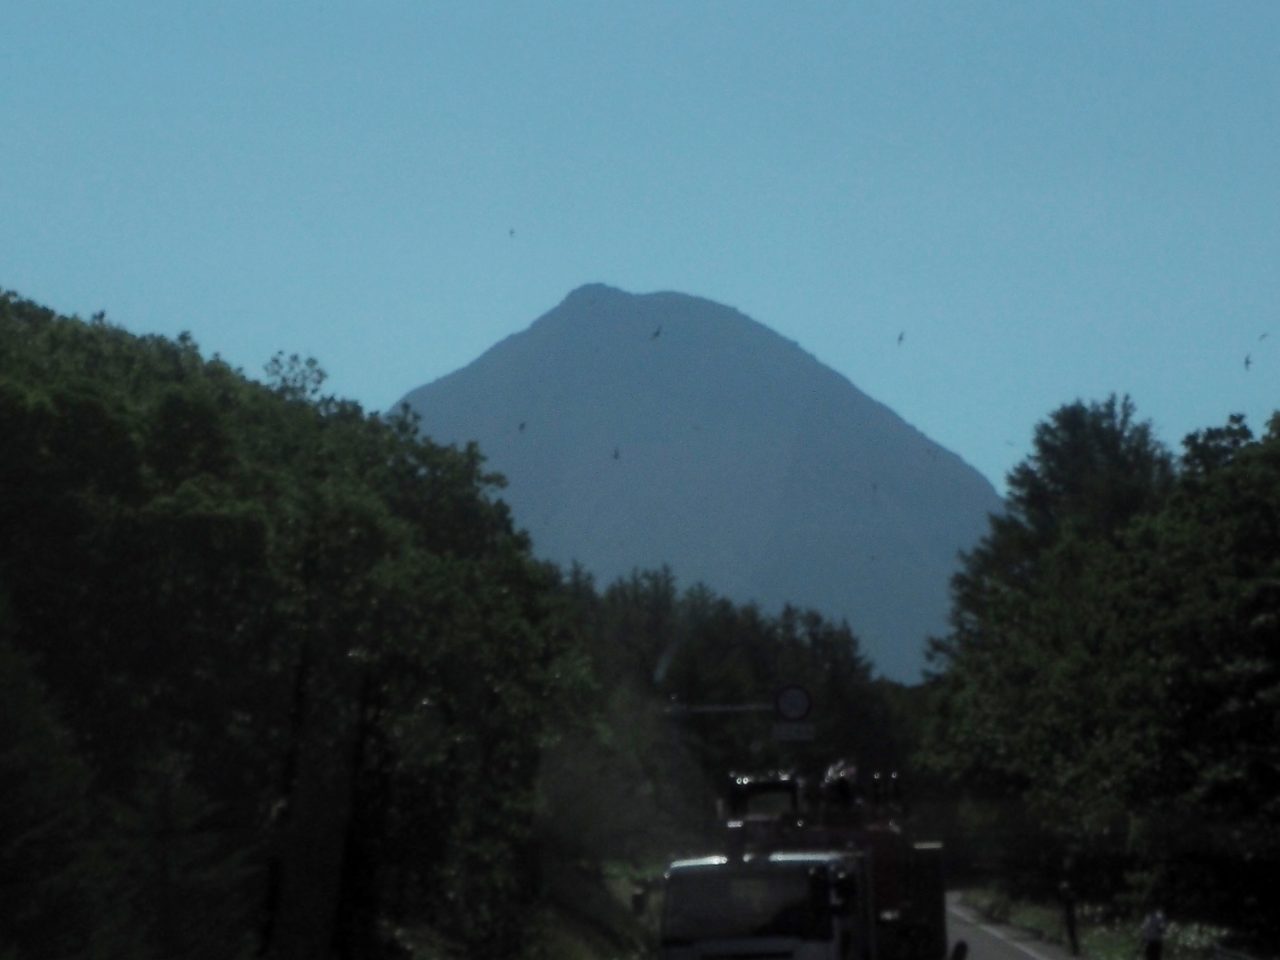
(642, 430)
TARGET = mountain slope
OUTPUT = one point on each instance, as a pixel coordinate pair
(637, 430)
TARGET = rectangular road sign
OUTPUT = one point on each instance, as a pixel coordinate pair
(793, 731)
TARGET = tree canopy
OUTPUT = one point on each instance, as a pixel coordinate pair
(280, 655)
(1114, 661)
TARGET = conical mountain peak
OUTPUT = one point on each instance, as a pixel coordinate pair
(662, 428)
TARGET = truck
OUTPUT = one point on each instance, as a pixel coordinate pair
(826, 871)
(800, 904)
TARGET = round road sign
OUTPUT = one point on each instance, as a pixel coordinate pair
(792, 703)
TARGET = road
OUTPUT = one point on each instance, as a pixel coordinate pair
(989, 941)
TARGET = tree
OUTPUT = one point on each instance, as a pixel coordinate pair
(1115, 663)
(44, 821)
(1031, 664)
(1092, 468)
(1202, 605)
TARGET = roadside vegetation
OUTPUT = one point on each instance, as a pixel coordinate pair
(1102, 934)
(1107, 705)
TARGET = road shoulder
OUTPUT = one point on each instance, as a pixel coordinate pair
(989, 940)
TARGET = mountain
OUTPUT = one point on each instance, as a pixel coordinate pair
(641, 430)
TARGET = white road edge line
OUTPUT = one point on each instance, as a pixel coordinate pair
(997, 934)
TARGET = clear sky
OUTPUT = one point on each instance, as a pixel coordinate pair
(1046, 200)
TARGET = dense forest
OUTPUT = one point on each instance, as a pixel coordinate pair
(1109, 696)
(282, 678)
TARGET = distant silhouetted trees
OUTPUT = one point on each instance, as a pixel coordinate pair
(645, 776)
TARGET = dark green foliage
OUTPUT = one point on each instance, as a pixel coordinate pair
(1114, 666)
(1092, 468)
(43, 820)
(279, 672)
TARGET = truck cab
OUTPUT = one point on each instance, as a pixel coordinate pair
(808, 872)
(801, 905)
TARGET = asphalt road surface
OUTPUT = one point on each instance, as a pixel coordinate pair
(988, 941)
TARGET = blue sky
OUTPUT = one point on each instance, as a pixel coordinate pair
(1048, 200)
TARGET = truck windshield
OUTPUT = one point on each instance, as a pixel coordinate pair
(721, 905)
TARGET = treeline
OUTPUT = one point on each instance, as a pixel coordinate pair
(281, 678)
(665, 664)
(1109, 695)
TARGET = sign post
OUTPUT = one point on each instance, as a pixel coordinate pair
(791, 706)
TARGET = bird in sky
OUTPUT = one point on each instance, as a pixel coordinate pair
(616, 455)
(1265, 335)
(901, 335)
(511, 232)
(522, 425)
(657, 333)
(1248, 362)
